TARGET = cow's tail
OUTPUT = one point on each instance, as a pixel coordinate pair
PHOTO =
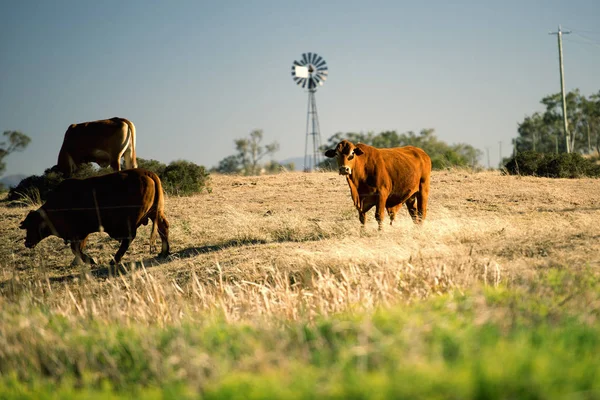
(131, 128)
(157, 207)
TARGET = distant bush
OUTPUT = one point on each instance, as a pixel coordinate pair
(35, 188)
(550, 165)
(185, 178)
(178, 178)
(152, 165)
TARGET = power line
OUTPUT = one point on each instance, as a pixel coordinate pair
(589, 40)
(584, 31)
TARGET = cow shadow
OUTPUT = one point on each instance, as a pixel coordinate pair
(104, 271)
(196, 251)
(86, 272)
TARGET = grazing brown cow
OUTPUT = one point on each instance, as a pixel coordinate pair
(385, 178)
(116, 203)
(103, 142)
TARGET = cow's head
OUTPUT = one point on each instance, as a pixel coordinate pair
(345, 153)
(37, 228)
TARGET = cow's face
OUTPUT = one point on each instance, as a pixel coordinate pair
(345, 153)
(37, 228)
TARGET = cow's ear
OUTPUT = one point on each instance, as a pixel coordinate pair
(358, 151)
(330, 153)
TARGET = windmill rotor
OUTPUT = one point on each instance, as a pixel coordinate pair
(310, 71)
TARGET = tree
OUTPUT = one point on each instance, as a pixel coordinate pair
(17, 141)
(249, 153)
(543, 132)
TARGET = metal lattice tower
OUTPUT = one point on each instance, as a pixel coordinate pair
(310, 72)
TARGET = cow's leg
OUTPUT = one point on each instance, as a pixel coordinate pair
(122, 250)
(163, 232)
(411, 204)
(115, 163)
(422, 198)
(128, 157)
(80, 256)
(380, 210)
(362, 217)
(392, 212)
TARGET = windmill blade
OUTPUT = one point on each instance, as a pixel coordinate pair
(309, 58)
(303, 83)
(321, 64)
(314, 83)
(296, 63)
(304, 58)
(317, 60)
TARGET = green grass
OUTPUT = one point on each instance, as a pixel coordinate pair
(539, 339)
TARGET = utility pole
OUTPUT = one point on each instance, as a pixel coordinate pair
(562, 84)
(487, 150)
(500, 153)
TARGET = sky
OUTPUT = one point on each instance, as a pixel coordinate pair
(194, 76)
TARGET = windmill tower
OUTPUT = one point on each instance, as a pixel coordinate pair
(311, 72)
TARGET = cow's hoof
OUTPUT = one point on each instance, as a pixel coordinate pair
(164, 254)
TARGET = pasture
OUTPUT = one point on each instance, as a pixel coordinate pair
(274, 291)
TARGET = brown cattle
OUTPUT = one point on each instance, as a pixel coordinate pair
(385, 178)
(103, 142)
(116, 203)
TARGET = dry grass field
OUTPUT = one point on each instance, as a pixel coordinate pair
(254, 239)
(278, 249)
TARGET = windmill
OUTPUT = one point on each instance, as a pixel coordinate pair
(311, 72)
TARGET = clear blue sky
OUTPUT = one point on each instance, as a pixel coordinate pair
(195, 75)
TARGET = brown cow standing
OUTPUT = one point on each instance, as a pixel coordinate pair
(103, 142)
(116, 203)
(385, 178)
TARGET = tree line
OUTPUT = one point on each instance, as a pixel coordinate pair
(543, 131)
(443, 155)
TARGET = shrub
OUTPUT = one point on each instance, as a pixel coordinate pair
(35, 188)
(180, 177)
(185, 178)
(152, 165)
(571, 165)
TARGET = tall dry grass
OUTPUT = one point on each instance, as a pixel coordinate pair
(289, 247)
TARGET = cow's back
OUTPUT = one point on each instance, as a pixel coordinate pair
(405, 165)
(95, 134)
(117, 202)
